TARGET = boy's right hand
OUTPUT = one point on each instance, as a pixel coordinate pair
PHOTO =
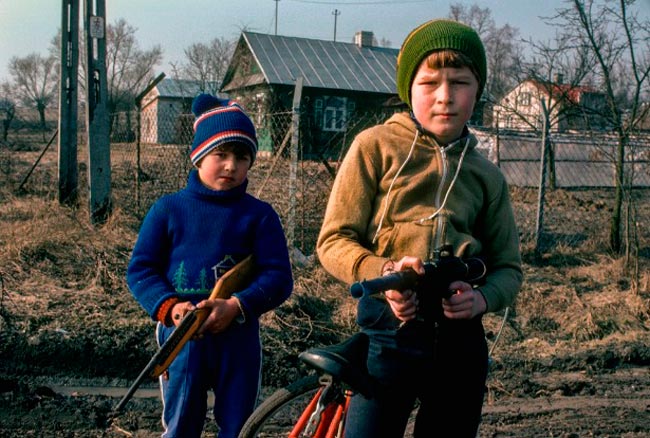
(179, 310)
(404, 304)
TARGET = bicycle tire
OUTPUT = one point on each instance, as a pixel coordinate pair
(277, 414)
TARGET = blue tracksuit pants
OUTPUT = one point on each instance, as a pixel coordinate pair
(229, 364)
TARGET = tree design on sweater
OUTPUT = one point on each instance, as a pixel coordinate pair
(180, 280)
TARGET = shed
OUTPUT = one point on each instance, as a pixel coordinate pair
(165, 108)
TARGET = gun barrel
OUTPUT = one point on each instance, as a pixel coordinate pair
(167, 352)
(446, 270)
(146, 373)
(397, 280)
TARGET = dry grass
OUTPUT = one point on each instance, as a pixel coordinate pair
(580, 322)
(63, 288)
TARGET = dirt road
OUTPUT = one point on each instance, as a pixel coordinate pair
(563, 404)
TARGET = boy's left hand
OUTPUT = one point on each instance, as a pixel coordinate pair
(222, 313)
(466, 303)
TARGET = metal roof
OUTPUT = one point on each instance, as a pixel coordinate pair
(323, 64)
(179, 88)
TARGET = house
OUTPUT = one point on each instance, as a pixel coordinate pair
(339, 79)
(570, 107)
(165, 110)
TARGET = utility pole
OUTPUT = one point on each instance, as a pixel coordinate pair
(99, 147)
(68, 173)
(276, 16)
(336, 13)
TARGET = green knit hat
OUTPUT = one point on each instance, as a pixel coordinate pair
(436, 35)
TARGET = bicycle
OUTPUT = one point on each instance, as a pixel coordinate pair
(315, 406)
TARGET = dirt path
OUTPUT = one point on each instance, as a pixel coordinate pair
(570, 405)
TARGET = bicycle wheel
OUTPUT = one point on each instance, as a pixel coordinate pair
(276, 416)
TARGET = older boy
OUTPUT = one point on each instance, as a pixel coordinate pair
(406, 189)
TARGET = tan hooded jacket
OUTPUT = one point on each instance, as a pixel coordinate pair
(392, 198)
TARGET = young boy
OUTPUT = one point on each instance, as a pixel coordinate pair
(404, 190)
(187, 240)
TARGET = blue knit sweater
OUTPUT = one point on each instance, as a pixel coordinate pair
(190, 237)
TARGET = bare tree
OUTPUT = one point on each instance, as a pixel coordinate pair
(128, 68)
(502, 47)
(35, 80)
(619, 42)
(206, 63)
(554, 76)
(385, 42)
(7, 109)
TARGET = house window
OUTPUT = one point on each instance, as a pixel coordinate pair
(333, 119)
(335, 114)
(523, 99)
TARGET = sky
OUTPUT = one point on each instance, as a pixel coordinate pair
(28, 26)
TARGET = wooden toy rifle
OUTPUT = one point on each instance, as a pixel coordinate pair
(234, 280)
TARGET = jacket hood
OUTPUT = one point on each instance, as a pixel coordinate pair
(406, 121)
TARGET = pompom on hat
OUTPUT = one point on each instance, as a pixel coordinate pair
(434, 35)
(220, 121)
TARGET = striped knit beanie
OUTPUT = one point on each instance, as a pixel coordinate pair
(434, 35)
(220, 121)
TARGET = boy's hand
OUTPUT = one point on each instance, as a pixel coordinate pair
(222, 313)
(403, 304)
(179, 310)
(466, 303)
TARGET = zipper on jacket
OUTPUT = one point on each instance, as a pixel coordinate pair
(439, 220)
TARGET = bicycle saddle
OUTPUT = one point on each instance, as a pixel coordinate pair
(345, 361)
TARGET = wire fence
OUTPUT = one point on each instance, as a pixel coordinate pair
(296, 164)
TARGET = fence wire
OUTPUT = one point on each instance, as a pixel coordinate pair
(150, 159)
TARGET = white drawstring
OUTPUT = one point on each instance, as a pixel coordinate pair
(453, 181)
(383, 214)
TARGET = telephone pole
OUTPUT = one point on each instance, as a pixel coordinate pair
(276, 16)
(97, 118)
(68, 111)
(336, 13)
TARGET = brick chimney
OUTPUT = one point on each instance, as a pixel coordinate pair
(363, 38)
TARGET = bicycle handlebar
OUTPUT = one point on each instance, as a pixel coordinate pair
(438, 275)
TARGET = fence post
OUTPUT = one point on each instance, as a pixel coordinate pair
(539, 228)
(138, 170)
(293, 167)
(497, 144)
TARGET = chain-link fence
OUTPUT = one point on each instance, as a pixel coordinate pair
(294, 173)
(295, 168)
(574, 161)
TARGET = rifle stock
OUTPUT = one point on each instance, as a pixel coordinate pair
(233, 280)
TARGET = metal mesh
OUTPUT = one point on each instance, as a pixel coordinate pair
(294, 171)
